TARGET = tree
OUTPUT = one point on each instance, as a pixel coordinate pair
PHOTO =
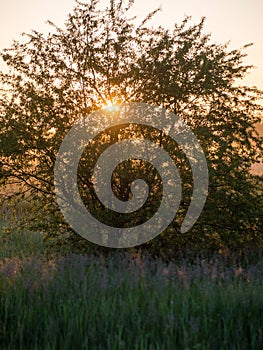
(101, 56)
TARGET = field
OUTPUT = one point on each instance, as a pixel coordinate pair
(124, 301)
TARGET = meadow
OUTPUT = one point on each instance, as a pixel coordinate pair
(125, 301)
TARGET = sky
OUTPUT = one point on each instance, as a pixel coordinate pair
(237, 21)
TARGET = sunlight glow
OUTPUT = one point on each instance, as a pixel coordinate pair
(111, 106)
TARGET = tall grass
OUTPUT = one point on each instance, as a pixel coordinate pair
(125, 302)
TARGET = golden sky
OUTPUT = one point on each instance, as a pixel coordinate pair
(239, 21)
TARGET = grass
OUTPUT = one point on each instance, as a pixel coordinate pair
(124, 301)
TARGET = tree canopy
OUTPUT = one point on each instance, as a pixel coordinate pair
(100, 56)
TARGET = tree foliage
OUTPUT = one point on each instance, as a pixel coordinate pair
(101, 55)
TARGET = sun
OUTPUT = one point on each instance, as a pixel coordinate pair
(111, 106)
